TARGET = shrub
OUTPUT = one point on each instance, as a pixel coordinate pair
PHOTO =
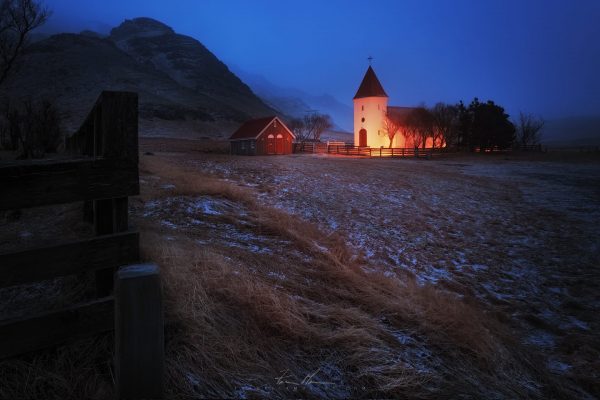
(30, 128)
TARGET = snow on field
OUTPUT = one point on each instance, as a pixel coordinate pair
(201, 216)
(574, 188)
(512, 234)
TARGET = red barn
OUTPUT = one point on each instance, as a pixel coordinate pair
(261, 137)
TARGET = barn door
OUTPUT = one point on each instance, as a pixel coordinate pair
(362, 138)
(270, 144)
(279, 143)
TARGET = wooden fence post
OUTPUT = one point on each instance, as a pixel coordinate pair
(116, 138)
(139, 333)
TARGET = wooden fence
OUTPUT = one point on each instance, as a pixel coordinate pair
(342, 148)
(310, 147)
(103, 174)
(349, 150)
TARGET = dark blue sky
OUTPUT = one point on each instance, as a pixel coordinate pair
(539, 56)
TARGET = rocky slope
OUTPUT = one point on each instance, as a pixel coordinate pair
(184, 90)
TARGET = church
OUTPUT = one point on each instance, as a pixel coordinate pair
(370, 110)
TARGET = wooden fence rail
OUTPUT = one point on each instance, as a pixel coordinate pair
(109, 251)
(310, 147)
(341, 148)
(350, 150)
(46, 183)
(103, 174)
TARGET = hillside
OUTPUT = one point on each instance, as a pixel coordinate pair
(180, 83)
(296, 103)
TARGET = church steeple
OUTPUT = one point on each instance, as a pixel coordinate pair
(370, 86)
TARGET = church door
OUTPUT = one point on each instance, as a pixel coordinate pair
(279, 143)
(362, 138)
(270, 144)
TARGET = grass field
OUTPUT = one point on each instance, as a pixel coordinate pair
(322, 276)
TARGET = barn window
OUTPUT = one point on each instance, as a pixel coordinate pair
(243, 144)
(275, 123)
(252, 145)
(271, 136)
(279, 136)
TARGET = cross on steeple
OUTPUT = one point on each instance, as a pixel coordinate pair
(370, 59)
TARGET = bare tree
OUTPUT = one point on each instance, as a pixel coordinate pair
(445, 122)
(529, 129)
(33, 128)
(315, 124)
(297, 126)
(17, 19)
(391, 127)
(411, 127)
(419, 126)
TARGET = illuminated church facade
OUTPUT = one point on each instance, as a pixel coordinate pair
(370, 110)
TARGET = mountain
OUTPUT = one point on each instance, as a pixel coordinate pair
(296, 103)
(184, 90)
(187, 62)
(572, 131)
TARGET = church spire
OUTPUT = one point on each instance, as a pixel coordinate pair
(370, 86)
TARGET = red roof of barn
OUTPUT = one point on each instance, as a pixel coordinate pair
(370, 86)
(251, 129)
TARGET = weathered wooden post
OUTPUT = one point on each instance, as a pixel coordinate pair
(115, 138)
(139, 333)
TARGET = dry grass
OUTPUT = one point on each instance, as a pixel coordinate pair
(236, 329)
(81, 370)
(254, 324)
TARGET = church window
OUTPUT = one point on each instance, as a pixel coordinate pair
(362, 119)
(362, 108)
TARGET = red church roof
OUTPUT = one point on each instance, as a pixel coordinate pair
(251, 129)
(370, 86)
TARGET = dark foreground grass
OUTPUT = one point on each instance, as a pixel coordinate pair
(304, 320)
(363, 334)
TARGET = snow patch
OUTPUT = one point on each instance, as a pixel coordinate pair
(277, 275)
(558, 367)
(168, 224)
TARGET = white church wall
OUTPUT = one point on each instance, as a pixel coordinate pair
(372, 109)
